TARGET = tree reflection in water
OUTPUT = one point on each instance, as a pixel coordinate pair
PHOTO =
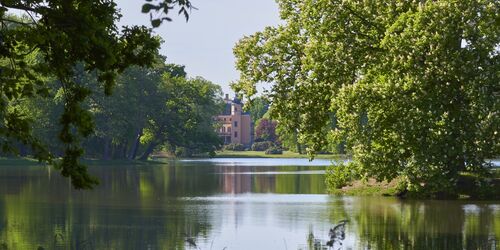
(389, 223)
(156, 207)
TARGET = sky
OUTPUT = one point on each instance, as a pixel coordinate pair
(205, 43)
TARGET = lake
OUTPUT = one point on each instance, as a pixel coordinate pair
(226, 204)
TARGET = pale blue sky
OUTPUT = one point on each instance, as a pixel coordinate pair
(204, 44)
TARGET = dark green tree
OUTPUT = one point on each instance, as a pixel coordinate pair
(62, 34)
(184, 116)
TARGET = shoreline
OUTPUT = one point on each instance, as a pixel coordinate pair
(355, 188)
(286, 154)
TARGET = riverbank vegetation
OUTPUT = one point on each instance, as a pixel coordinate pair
(28, 162)
(262, 154)
(468, 188)
(409, 89)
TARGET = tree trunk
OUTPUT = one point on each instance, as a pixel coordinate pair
(296, 138)
(135, 145)
(148, 151)
(124, 150)
(107, 149)
(23, 152)
(299, 148)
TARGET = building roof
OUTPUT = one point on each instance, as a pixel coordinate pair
(227, 109)
(236, 100)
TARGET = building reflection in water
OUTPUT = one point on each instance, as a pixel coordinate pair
(237, 180)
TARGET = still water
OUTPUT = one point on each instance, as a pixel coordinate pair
(226, 204)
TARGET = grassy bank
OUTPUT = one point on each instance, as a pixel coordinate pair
(19, 161)
(467, 188)
(367, 188)
(24, 161)
(261, 154)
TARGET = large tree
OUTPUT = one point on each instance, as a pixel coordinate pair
(183, 116)
(63, 33)
(257, 108)
(150, 109)
(411, 86)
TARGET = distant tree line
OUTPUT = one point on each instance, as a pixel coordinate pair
(151, 108)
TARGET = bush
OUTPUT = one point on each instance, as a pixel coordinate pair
(235, 147)
(340, 175)
(183, 152)
(274, 151)
(262, 146)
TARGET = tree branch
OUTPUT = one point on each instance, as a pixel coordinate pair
(18, 7)
(363, 19)
(14, 21)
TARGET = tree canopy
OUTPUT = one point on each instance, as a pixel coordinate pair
(151, 108)
(412, 87)
(52, 38)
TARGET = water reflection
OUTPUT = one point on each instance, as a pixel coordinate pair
(218, 205)
(294, 180)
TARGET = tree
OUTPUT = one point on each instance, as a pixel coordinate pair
(126, 122)
(184, 116)
(62, 34)
(411, 87)
(257, 108)
(265, 130)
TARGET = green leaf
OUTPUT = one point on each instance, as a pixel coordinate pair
(156, 22)
(147, 7)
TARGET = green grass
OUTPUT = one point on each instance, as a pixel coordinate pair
(24, 161)
(121, 162)
(261, 154)
(18, 161)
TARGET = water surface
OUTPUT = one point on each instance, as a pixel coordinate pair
(225, 203)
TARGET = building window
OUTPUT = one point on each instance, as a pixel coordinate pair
(223, 129)
(235, 134)
(224, 119)
(229, 129)
(235, 124)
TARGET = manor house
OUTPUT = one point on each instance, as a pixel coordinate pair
(236, 125)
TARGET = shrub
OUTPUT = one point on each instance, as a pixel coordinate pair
(340, 175)
(183, 152)
(262, 146)
(235, 147)
(274, 151)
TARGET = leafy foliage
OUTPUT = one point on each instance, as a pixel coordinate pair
(410, 87)
(265, 130)
(161, 8)
(340, 175)
(274, 151)
(184, 118)
(262, 146)
(257, 108)
(52, 38)
(133, 120)
(235, 147)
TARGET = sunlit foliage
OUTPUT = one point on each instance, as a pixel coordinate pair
(412, 87)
